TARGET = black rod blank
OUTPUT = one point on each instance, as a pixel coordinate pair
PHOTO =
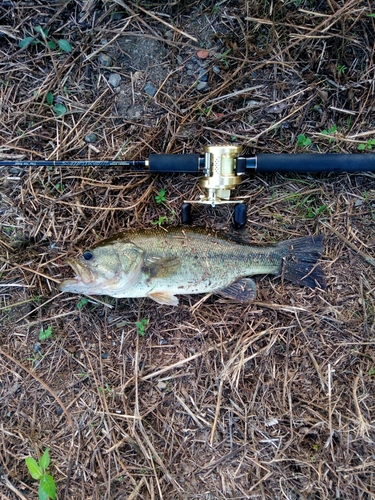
(68, 163)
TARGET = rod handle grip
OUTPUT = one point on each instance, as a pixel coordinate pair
(165, 163)
(316, 163)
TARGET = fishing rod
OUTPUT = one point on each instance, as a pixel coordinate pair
(222, 168)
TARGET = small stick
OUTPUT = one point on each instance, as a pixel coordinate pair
(354, 247)
(218, 402)
(42, 383)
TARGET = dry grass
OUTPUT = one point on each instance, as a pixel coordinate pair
(217, 401)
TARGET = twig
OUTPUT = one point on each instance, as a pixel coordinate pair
(217, 412)
(157, 18)
(354, 247)
(42, 383)
(9, 485)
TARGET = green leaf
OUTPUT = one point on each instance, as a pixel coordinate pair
(42, 494)
(45, 334)
(59, 109)
(51, 45)
(321, 209)
(45, 460)
(65, 45)
(82, 303)
(159, 222)
(333, 129)
(49, 98)
(141, 326)
(302, 140)
(34, 469)
(160, 198)
(47, 484)
(40, 30)
(25, 41)
(361, 147)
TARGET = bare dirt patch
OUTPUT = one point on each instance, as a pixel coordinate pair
(216, 400)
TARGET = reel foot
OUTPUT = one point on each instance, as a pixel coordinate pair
(240, 216)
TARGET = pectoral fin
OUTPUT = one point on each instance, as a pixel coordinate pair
(242, 290)
(161, 268)
(164, 298)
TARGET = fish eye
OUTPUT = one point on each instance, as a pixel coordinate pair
(87, 255)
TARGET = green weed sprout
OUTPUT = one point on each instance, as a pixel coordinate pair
(223, 58)
(341, 69)
(82, 302)
(161, 200)
(366, 145)
(58, 108)
(303, 141)
(45, 334)
(141, 326)
(331, 131)
(38, 471)
(63, 44)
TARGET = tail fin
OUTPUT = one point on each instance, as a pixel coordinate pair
(300, 264)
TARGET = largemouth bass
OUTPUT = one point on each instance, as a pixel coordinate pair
(162, 264)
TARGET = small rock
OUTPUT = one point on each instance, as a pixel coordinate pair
(202, 86)
(150, 89)
(271, 422)
(252, 104)
(161, 386)
(216, 69)
(15, 170)
(114, 79)
(117, 16)
(90, 138)
(105, 60)
(276, 108)
(203, 77)
(105, 355)
(137, 76)
(168, 35)
(203, 54)
(180, 59)
(37, 347)
(59, 411)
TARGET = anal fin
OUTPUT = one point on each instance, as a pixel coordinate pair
(165, 298)
(243, 290)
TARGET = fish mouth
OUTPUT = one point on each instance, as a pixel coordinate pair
(87, 280)
(84, 274)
